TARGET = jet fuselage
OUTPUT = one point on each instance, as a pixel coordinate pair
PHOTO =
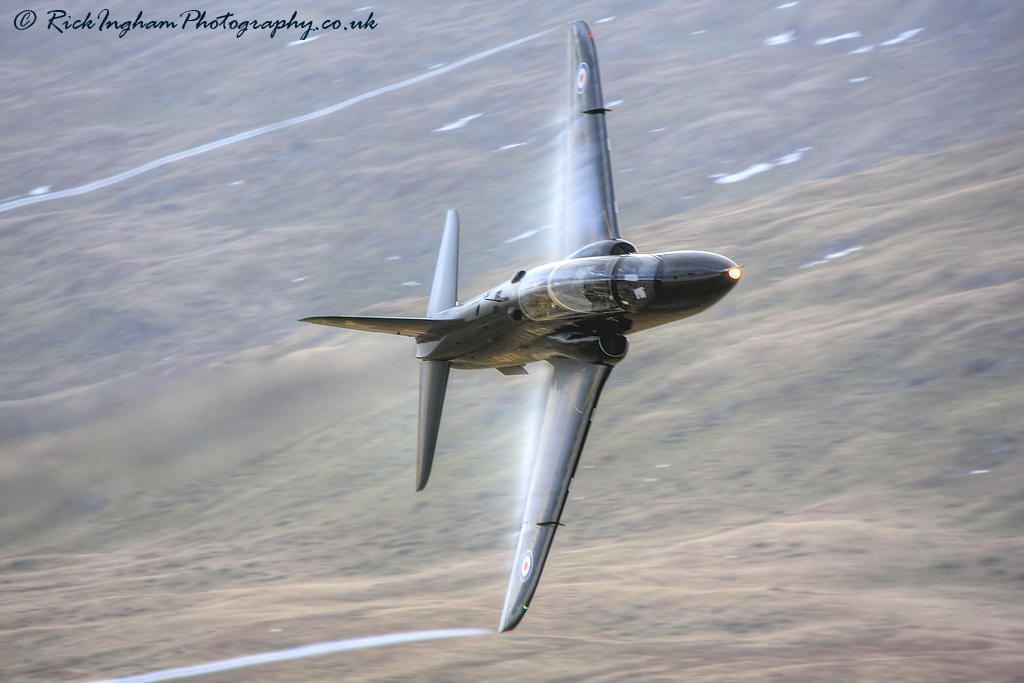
(580, 308)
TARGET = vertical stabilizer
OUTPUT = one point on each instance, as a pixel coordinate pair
(434, 373)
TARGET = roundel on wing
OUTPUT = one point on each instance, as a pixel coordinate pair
(526, 568)
(582, 76)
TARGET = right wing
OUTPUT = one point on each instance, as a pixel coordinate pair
(575, 388)
(590, 201)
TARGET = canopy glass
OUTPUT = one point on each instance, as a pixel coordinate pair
(585, 286)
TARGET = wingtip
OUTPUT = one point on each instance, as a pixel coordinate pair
(511, 618)
(581, 28)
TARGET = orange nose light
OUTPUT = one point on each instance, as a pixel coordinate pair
(735, 273)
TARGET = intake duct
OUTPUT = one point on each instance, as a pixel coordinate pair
(613, 346)
(604, 348)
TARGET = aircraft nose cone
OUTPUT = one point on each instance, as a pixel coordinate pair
(695, 263)
(691, 281)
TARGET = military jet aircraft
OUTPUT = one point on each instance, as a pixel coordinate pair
(575, 314)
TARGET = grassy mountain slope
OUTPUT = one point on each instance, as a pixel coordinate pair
(818, 479)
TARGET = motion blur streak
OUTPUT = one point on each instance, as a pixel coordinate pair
(256, 132)
(540, 374)
(298, 653)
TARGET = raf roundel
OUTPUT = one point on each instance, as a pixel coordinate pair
(526, 568)
(582, 76)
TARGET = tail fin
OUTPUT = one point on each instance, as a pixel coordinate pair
(427, 333)
(442, 297)
(423, 330)
(434, 373)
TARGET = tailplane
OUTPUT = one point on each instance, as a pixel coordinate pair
(444, 291)
(434, 373)
(427, 332)
(433, 382)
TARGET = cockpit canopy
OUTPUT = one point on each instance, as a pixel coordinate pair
(583, 286)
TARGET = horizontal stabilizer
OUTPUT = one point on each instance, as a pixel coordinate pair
(446, 274)
(421, 329)
(433, 382)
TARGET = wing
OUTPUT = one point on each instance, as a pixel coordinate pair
(575, 387)
(590, 201)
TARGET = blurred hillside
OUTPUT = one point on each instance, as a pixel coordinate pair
(818, 479)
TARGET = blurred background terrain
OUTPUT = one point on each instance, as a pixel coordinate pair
(819, 479)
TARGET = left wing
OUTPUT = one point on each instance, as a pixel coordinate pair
(590, 201)
(575, 387)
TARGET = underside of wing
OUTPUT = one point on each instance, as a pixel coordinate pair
(572, 396)
(590, 199)
(421, 329)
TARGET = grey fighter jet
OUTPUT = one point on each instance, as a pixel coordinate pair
(575, 314)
